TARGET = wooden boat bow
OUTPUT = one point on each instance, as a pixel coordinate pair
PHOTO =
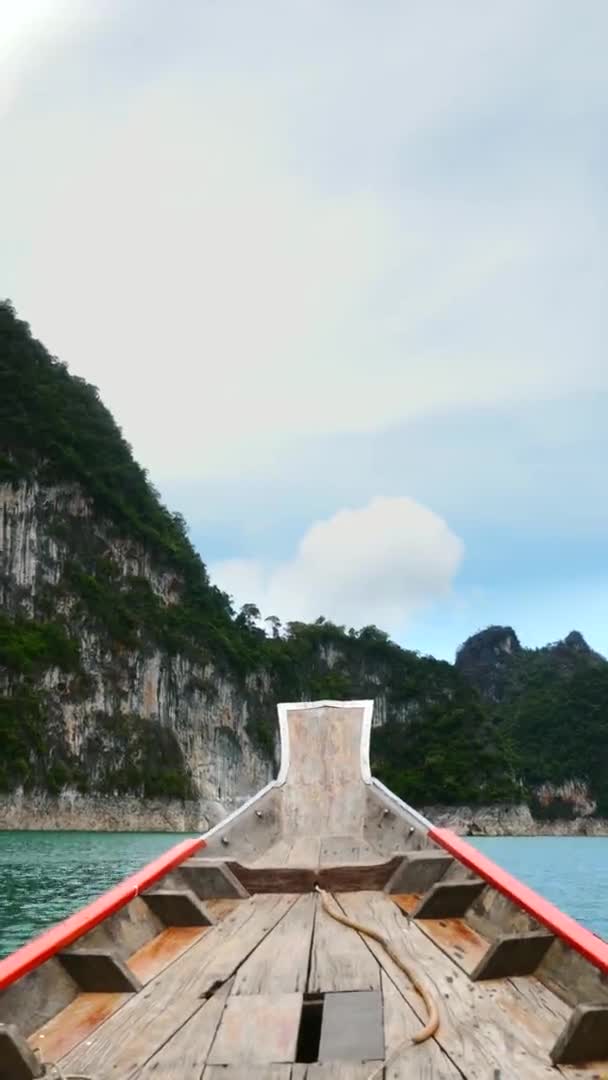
(217, 962)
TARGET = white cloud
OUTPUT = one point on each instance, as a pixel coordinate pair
(247, 226)
(29, 31)
(381, 563)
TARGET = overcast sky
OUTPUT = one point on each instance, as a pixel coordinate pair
(339, 270)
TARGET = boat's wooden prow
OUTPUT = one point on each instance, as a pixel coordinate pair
(223, 961)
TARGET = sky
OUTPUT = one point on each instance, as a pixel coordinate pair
(339, 271)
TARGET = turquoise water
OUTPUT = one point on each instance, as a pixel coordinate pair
(571, 871)
(45, 876)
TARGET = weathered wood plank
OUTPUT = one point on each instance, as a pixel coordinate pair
(425, 1061)
(492, 914)
(74, 1023)
(171, 943)
(246, 1072)
(335, 1070)
(259, 1029)
(347, 851)
(221, 907)
(456, 938)
(178, 907)
(37, 996)
(418, 870)
(352, 1027)
(514, 954)
(572, 977)
(279, 965)
(129, 1038)
(274, 879)
(483, 1028)
(339, 959)
(211, 879)
(96, 971)
(277, 855)
(17, 1059)
(448, 899)
(584, 1038)
(357, 877)
(183, 1057)
(305, 852)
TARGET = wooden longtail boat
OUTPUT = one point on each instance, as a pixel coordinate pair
(323, 930)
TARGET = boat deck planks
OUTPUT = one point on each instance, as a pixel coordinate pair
(184, 1055)
(280, 964)
(245, 1072)
(130, 1037)
(162, 950)
(276, 978)
(75, 1023)
(425, 1061)
(477, 1030)
(335, 1070)
(257, 1029)
(269, 951)
(339, 959)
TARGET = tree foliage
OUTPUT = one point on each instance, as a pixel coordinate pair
(493, 728)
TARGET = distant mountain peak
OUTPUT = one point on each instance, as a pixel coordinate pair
(575, 640)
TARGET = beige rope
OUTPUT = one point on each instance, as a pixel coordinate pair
(433, 1015)
(52, 1071)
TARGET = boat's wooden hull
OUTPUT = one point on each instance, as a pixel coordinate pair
(222, 960)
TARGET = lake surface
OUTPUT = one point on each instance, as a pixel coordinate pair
(45, 876)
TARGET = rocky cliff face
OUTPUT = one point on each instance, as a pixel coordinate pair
(113, 715)
(132, 695)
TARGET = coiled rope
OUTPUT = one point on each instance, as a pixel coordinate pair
(432, 1012)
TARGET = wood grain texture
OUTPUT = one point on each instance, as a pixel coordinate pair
(483, 1027)
(279, 965)
(419, 870)
(96, 971)
(347, 851)
(274, 879)
(448, 899)
(247, 1072)
(257, 1029)
(456, 938)
(335, 1070)
(37, 996)
(584, 1038)
(572, 977)
(176, 907)
(129, 1038)
(171, 943)
(183, 1057)
(305, 852)
(76, 1022)
(513, 955)
(358, 877)
(352, 1027)
(277, 855)
(425, 1061)
(339, 958)
(209, 879)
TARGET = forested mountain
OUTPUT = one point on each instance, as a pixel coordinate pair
(123, 669)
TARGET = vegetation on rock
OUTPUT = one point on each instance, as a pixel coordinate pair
(493, 727)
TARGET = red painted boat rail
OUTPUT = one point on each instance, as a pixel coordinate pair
(41, 948)
(593, 948)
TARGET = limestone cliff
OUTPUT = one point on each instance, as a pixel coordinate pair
(116, 716)
(132, 695)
